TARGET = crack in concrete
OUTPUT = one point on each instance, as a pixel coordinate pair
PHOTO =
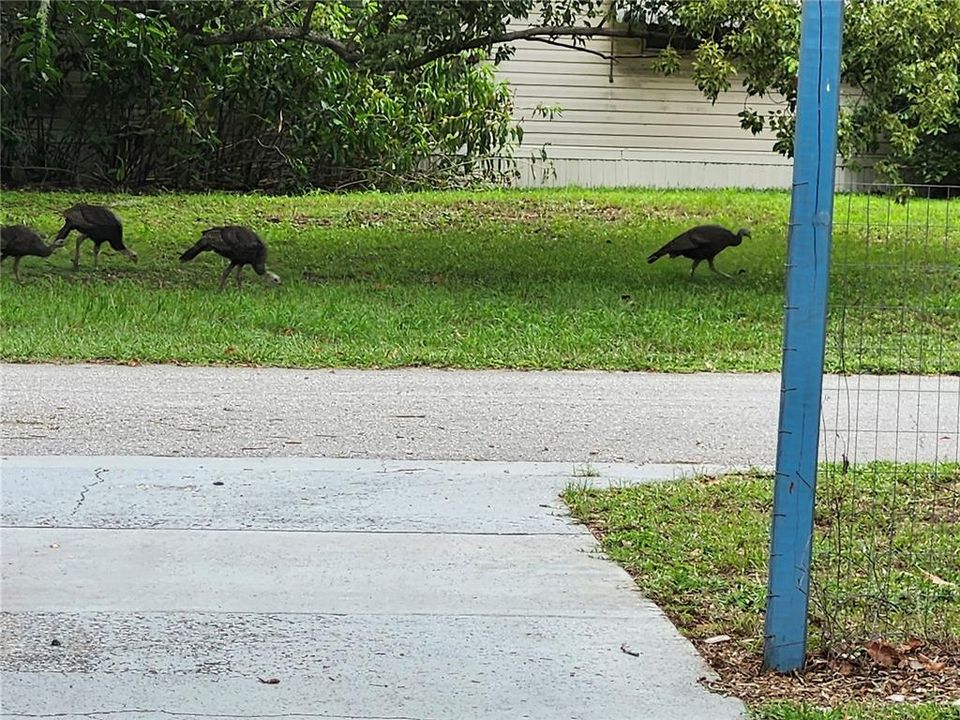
(98, 474)
(172, 713)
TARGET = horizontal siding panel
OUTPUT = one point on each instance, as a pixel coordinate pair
(588, 64)
(562, 56)
(715, 156)
(559, 75)
(640, 104)
(546, 49)
(753, 158)
(641, 129)
(566, 130)
(598, 173)
(706, 121)
(619, 96)
(630, 98)
(608, 154)
(554, 87)
(636, 86)
(745, 143)
(601, 69)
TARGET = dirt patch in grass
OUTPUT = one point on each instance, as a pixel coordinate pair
(459, 213)
(670, 212)
(538, 210)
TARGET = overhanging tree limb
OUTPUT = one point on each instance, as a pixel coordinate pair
(260, 34)
(531, 33)
(353, 56)
(569, 46)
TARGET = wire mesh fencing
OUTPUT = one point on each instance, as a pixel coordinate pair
(887, 528)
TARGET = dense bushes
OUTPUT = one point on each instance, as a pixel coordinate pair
(110, 94)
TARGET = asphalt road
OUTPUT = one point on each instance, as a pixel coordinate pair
(586, 416)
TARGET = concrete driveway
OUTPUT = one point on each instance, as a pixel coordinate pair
(159, 587)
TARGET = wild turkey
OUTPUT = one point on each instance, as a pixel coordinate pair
(240, 245)
(99, 224)
(19, 241)
(701, 243)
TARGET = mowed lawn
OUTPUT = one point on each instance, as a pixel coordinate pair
(522, 279)
(886, 564)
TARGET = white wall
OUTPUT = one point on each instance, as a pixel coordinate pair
(642, 129)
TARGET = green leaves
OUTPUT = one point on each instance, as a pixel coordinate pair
(712, 69)
(291, 94)
(901, 57)
(270, 115)
(667, 61)
(904, 55)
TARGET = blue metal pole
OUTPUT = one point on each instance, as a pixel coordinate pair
(804, 336)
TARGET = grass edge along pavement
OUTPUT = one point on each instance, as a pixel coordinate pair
(698, 548)
(546, 279)
(854, 711)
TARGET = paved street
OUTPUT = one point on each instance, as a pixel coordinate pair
(637, 418)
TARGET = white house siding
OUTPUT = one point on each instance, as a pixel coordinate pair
(642, 129)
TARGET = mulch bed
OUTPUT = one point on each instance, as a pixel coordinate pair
(910, 673)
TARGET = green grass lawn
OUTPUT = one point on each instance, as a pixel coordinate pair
(886, 564)
(793, 711)
(522, 279)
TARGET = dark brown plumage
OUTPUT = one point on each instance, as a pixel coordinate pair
(240, 245)
(701, 243)
(19, 241)
(99, 224)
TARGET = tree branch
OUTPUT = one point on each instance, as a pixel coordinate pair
(548, 31)
(258, 33)
(273, 16)
(308, 16)
(591, 51)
